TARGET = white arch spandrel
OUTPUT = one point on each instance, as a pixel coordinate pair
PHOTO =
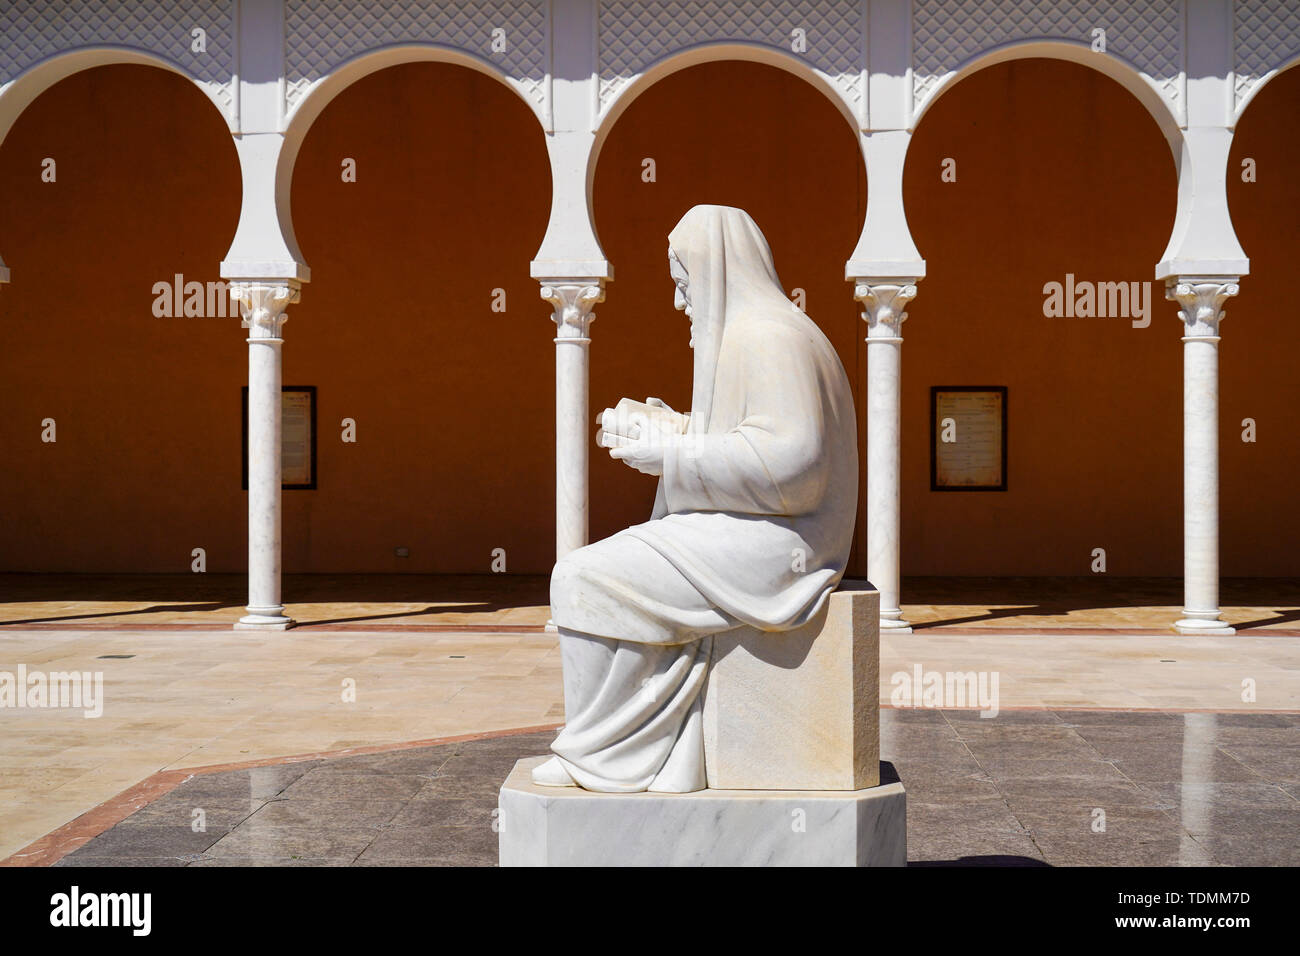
(25, 88)
(323, 91)
(700, 54)
(1145, 89)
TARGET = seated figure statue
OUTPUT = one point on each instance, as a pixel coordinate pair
(752, 521)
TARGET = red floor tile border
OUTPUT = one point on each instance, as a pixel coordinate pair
(57, 844)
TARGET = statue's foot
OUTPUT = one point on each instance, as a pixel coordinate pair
(552, 774)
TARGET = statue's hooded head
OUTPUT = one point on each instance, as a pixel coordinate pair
(722, 268)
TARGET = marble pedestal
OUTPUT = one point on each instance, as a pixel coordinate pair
(567, 826)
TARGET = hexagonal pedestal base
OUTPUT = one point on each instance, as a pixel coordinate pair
(567, 826)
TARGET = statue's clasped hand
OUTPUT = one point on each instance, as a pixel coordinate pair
(637, 433)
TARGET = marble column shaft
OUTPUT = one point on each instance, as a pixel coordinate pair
(572, 301)
(1201, 310)
(884, 301)
(263, 308)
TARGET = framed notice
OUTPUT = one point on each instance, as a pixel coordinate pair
(297, 437)
(968, 438)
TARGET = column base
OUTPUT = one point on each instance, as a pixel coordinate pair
(264, 622)
(1196, 625)
(895, 626)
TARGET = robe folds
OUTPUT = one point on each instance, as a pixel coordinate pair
(752, 523)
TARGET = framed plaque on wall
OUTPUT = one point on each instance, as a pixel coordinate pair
(297, 437)
(968, 438)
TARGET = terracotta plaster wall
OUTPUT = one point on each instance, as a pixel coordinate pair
(146, 463)
(1058, 170)
(454, 403)
(1259, 369)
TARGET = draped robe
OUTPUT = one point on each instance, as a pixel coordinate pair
(752, 523)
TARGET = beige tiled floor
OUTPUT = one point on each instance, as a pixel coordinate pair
(191, 698)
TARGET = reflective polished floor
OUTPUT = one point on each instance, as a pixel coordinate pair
(1024, 788)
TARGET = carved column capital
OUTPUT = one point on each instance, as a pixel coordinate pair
(262, 306)
(884, 301)
(573, 301)
(1200, 303)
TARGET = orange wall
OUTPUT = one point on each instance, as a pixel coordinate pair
(454, 403)
(146, 466)
(1261, 338)
(1059, 171)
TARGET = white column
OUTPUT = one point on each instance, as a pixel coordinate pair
(1200, 301)
(884, 299)
(572, 300)
(263, 305)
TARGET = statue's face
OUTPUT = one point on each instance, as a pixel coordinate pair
(682, 295)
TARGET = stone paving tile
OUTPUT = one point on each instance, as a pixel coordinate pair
(1132, 837)
(456, 845)
(416, 760)
(116, 862)
(242, 861)
(1270, 761)
(431, 808)
(325, 812)
(1147, 765)
(271, 842)
(356, 786)
(1092, 792)
(129, 839)
(996, 802)
(1257, 841)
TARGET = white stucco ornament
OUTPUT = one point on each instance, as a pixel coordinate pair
(752, 521)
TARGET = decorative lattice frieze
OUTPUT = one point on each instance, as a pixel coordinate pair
(321, 34)
(33, 30)
(1267, 37)
(1146, 33)
(635, 35)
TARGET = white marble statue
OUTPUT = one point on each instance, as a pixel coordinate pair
(752, 521)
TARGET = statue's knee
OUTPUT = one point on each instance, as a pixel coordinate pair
(566, 574)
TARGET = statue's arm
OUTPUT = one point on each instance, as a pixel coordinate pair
(773, 461)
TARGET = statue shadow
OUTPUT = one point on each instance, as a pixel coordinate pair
(786, 650)
(975, 861)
